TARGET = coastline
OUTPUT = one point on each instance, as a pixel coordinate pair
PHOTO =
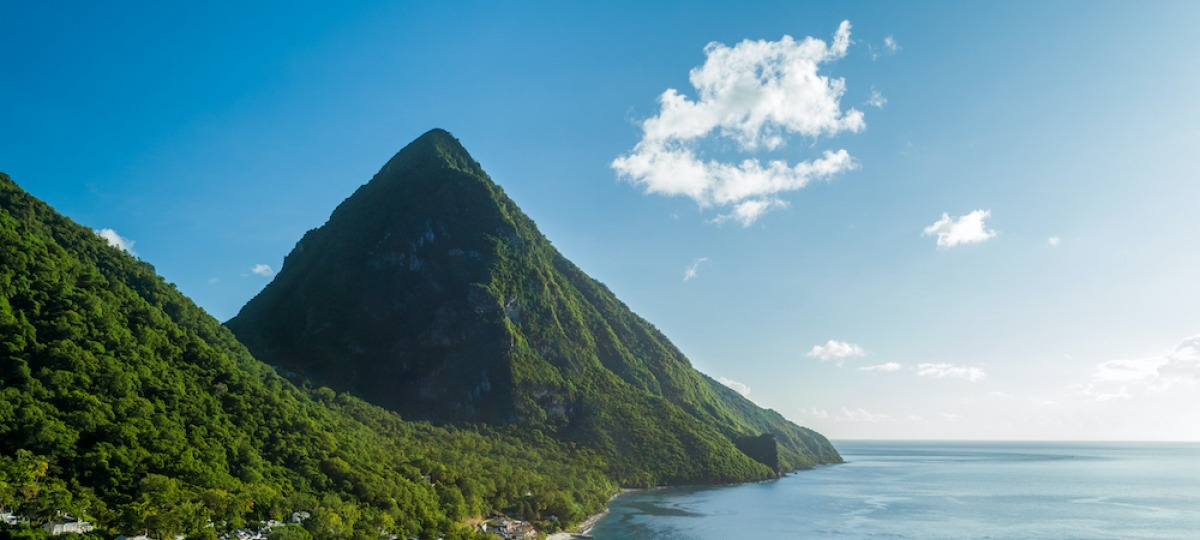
(585, 527)
(582, 530)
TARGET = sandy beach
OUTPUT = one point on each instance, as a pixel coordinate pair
(583, 528)
(586, 526)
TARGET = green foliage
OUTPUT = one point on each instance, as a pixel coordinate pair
(289, 532)
(124, 403)
(429, 292)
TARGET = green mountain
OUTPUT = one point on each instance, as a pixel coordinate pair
(430, 293)
(123, 402)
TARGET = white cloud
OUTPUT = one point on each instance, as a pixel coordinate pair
(888, 367)
(889, 48)
(1053, 241)
(741, 388)
(213, 280)
(1123, 371)
(117, 241)
(951, 416)
(951, 371)
(693, 269)
(815, 412)
(836, 350)
(756, 94)
(1184, 361)
(890, 45)
(747, 212)
(968, 229)
(262, 270)
(1149, 375)
(876, 99)
(862, 415)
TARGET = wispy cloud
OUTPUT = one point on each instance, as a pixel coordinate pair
(968, 229)
(739, 387)
(836, 350)
(693, 269)
(862, 415)
(747, 212)
(815, 412)
(887, 367)
(756, 94)
(889, 47)
(1053, 241)
(876, 99)
(951, 371)
(262, 270)
(117, 241)
(1096, 393)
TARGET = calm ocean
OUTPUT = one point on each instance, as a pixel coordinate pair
(932, 490)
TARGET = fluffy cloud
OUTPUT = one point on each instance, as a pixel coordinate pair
(1053, 241)
(741, 388)
(951, 371)
(1118, 379)
(693, 269)
(968, 229)
(262, 270)
(888, 367)
(756, 94)
(116, 240)
(836, 350)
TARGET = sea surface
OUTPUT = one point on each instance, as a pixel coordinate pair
(933, 490)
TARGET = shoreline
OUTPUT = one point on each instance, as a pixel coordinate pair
(586, 526)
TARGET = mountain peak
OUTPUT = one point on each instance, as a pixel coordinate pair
(430, 293)
(435, 146)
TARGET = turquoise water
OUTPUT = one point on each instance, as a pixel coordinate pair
(934, 490)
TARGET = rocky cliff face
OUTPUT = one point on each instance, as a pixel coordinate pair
(429, 292)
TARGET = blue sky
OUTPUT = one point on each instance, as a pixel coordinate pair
(213, 137)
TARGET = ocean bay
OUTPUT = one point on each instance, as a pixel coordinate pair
(918, 490)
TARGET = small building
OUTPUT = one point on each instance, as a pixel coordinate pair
(67, 525)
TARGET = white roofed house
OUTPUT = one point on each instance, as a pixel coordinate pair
(67, 524)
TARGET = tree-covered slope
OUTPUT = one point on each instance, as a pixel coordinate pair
(122, 401)
(429, 292)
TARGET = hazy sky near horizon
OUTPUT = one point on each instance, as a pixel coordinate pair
(883, 220)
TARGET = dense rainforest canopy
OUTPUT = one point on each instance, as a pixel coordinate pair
(123, 402)
(434, 359)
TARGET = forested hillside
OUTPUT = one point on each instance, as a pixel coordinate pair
(431, 293)
(124, 403)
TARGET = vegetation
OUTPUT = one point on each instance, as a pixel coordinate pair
(430, 293)
(124, 403)
(536, 392)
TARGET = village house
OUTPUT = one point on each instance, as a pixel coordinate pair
(67, 524)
